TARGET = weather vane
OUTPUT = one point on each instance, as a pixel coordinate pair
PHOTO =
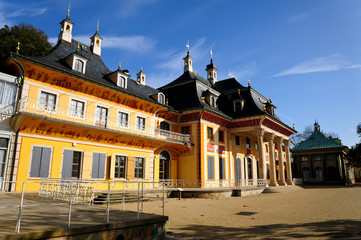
(211, 53)
(98, 26)
(187, 45)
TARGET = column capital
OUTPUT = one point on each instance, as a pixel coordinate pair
(272, 136)
(260, 132)
(280, 139)
(287, 142)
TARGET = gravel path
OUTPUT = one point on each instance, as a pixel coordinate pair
(312, 213)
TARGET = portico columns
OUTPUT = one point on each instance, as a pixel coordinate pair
(262, 159)
(288, 163)
(273, 180)
(281, 167)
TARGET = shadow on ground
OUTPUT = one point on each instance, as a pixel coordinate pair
(341, 229)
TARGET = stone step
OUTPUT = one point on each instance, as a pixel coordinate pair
(280, 189)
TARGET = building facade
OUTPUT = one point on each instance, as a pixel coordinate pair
(321, 160)
(77, 119)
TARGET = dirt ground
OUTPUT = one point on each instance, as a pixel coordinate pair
(311, 213)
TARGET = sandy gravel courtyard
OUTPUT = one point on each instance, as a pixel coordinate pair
(311, 213)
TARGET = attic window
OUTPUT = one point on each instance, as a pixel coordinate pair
(122, 82)
(161, 98)
(67, 28)
(213, 102)
(79, 63)
(238, 105)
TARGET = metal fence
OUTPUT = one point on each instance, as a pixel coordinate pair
(73, 192)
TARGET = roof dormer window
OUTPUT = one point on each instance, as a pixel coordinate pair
(238, 105)
(79, 63)
(161, 98)
(212, 101)
(122, 82)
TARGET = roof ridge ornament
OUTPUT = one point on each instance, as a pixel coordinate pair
(18, 48)
(67, 16)
(119, 65)
(249, 83)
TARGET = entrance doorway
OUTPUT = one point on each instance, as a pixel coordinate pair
(164, 165)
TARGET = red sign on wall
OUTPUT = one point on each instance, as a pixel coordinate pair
(210, 147)
(221, 150)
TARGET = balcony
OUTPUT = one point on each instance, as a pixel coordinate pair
(63, 113)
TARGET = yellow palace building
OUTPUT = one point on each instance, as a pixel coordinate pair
(76, 119)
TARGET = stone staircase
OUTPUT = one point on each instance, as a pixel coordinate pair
(282, 189)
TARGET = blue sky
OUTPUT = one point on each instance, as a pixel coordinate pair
(305, 55)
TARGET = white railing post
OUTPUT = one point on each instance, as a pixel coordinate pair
(108, 202)
(17, 229)
(70, 202)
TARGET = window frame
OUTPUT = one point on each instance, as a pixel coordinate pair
(210, 133)
(3, 84)
(45, 108)
(120, 82)
(120, 112)
(186, 127)
(106, 117)
(105, 163)
(76, 115)
(31, 159)
(219, 136)
(143, 167)
(77, 58)
(137, 126)
(237, 140)
(119, 167)
(161, 98)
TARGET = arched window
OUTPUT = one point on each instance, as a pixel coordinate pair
(161, 98)
(122, 82)
(79, 65)
(318, 174)
(306, 174)
(250, 168)
(164, 165)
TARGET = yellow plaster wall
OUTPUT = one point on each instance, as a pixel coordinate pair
(56, 159)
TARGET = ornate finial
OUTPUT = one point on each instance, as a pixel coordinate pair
(264, 107)
(119, 65)
(187, 45)
(166, 101)
(195, 73)
(249, 82)
(78, 47)
(67, 16)
(270, 100)
(141, 69)
(98, 26)
(211, 54)
(293, 126)
(18, 48)
(202, 99)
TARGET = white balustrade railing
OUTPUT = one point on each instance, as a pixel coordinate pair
(33, 105)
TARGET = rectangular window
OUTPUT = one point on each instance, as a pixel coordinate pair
(210, 167)
(77, 108)
(221, 136)
(210, 133)
(304, 159)
(101, 117)
(186, 130)
(48, 100)
(40, 162)
(120, 166)
(316, 158)
(123, 119)
(79, 65)
(98, 168)
(248, 142)
(138, 167)
(7, 93)
(141, 123)
(71, 164)
(122, 82)
(237, 141)
(222, 170)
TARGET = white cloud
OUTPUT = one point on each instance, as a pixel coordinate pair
(174, 58)
(321, 64)
(137, 44)
(245, 72)
(32, 12)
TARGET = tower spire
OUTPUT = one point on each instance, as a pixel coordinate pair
(67, 16)
(188, 61)
(98, 26)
